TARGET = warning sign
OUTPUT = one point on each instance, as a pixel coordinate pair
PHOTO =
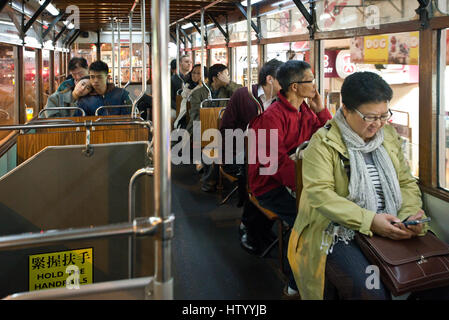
(51, 270)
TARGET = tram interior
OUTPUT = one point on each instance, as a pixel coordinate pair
(62, 178)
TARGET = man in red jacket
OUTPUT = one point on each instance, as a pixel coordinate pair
(287, 123)
(241, 109)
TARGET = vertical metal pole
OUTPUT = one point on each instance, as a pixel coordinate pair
(163, 282)
(130, 47)
(113, 51)
(202, 53)
(248, 25)
(144, 51)
(178, 50)
(119, 61)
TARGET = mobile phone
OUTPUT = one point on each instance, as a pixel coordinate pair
(415, 222)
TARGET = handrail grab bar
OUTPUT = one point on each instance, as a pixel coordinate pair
(61, 108)
(132, 212)
(138, 227)
(212, 100)
(115, 107)
(72, 125)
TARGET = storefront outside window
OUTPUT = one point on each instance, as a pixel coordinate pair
(7, 87)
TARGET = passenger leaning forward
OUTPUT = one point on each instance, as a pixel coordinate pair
(104, 93)
(376, 190)
(220, 86)
(293, 122)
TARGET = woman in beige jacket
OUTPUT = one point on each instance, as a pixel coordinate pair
(355, 178)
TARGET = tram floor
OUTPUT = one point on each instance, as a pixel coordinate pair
(208, 262)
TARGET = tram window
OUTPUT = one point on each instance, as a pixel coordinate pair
(343, 14)
(282, 23)
(46, 75)
(395, 58)
(241, 65)
(85, 50)
(57, 71)
(219, 55)
(442, 6)
(7, 87)
(288, 51)
(238, 31)
(214, 36)
(30, 83)
(443, 135)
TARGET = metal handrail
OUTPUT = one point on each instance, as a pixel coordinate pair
(212, 100)
(72, 125)
(114, 107)
(300, 148)
(220, 113)
(61, 108)
(45, 120)
(178, 92)
(130, 119)
(132, 212)
(138, 227)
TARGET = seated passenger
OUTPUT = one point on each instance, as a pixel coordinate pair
(292, 122)
(68, 98)
(220, 86)
(240, 110)
(104, 94)
(295, 122)
(78, 69)
(193, 83)
(178, 78)
(376, 190)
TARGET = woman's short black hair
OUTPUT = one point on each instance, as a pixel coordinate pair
(77, 62)
(268, 69)
(291, 71)
(99, 66)
(189, 76)
(364, 87)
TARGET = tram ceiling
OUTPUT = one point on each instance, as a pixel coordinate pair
(96, 15)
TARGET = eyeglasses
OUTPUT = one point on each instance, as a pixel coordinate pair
(384, 117)
(308, 81)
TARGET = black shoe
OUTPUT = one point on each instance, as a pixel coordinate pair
(248, 246)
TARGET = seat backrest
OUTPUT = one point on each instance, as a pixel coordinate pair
(298, 164)
(208, 118)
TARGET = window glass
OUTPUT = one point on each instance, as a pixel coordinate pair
(395, 58)
(444, 116)
(240, 64)
(214, 36)
(238, 31)
(57, 69)
(7, 87)
(31, 107)
(282, 23)
(343, 14)
(46, 75)
(219, 55)
(288, 51)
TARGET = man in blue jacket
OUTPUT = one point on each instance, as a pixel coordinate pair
(103, 93)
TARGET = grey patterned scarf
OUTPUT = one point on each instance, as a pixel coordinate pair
(361, 188)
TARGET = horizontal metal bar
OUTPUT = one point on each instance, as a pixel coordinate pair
(213, 100)
(112, 107)
(73, 125)
(139, 227)
(61, 108)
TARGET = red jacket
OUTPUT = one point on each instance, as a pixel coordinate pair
(293, 129)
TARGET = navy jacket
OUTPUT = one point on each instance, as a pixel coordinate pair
(114, 96)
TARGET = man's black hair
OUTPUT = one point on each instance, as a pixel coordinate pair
(77, 62)
(291, 71)
(99, 66)
(268, 69)
(215, 70)
(364, 87)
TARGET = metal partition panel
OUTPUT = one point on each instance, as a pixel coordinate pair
(134, 289)
(61, 187)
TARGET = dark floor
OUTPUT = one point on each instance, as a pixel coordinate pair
(208, 262)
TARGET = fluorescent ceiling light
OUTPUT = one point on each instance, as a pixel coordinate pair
(244, 3)
(50, 8)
